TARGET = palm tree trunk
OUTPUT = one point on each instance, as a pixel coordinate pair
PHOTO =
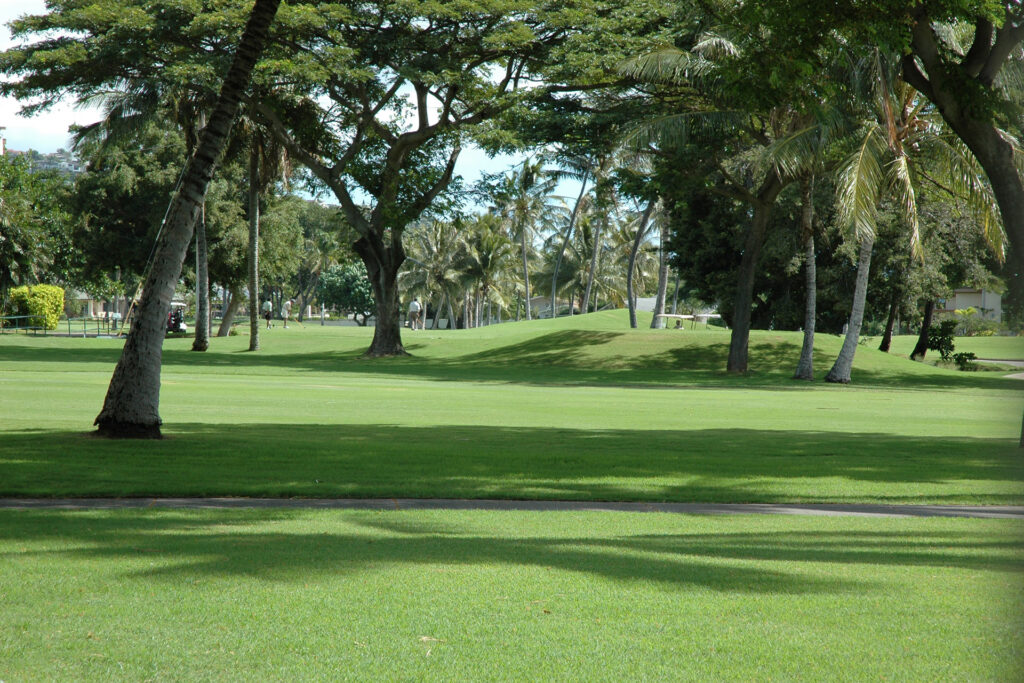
(593, 264)
(565, 243)
(658, 321)
(451, 312)
(675, 296)
(890, 322)
(132, 404)
(921, 348)
(234, 303)
(840, 372)
(805, 366)
(201, 342)
(526, 270)
(254, 249)
(640, 232)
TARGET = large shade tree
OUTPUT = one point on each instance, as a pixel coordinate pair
(386, 94)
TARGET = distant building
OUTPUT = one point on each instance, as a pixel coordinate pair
(988, 304)
(62, 161)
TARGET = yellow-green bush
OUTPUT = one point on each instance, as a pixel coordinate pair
(43, 302)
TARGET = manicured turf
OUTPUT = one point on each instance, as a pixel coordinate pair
(321, 595)
(571, 409)
(995, 347)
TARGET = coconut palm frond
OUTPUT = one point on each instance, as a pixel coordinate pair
(680, 129)
(668, 65)
(793, 154)
(859, 183)
(716, 46)
(961, 174)
(902, 183)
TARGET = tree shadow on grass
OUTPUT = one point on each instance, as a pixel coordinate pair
(279, 546)
(384, 461)
(557, 358)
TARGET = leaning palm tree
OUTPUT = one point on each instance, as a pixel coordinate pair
(127, 112)
(905, 146)
(642, 227)
(131, 406)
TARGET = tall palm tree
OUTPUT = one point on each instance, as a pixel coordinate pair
(580, 167)
(524, 199)
(131, 406)
(432, 263)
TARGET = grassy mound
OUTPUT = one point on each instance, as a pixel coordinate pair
(577, 408)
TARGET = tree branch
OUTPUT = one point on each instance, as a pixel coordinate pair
(975, 58)
(325, 173)
(917, 80)
(1008, 37)
(428, 197)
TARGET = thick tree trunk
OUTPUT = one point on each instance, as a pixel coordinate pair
(382, 266)
(841, 369)
(921, 348)
(641, 231)
(805, 366)
(658, 321)
(565, 243)
(740, 336)
(201, 342)
(131, 406)
(228, 319)
(254, 248)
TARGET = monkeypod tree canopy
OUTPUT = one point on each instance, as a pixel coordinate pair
(376, 99)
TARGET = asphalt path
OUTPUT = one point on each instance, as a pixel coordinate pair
(975, 511)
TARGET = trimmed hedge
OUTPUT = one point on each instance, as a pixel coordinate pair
(44, 302)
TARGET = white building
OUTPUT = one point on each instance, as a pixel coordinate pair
(987, 303)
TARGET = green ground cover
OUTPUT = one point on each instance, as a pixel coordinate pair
(318, 595)
(571, 409)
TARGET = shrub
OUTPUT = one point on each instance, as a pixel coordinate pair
(44, 303)
(965, 361)
(940, 338)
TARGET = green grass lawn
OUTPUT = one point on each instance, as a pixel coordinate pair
(995, 347)
(570, 409)
(576, 408)
(328, 595)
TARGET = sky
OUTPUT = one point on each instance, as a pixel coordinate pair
(48, 131)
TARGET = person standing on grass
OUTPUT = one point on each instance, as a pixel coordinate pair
(268, 309)
(286, 312)
(414, 313)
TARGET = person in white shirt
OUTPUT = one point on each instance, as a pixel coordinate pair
(268, 308)
(286, 311)
(414, 313)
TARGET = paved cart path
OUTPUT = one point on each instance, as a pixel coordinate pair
(855, 510)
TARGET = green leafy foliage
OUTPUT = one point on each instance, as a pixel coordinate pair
(965, 360)
(43, 302)
(940, 338)
(348, 288)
